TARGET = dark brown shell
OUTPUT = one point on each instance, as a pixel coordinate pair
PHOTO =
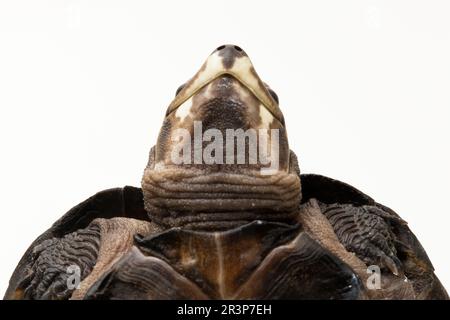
(260, 260)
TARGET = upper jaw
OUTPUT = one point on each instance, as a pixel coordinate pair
(233, 61)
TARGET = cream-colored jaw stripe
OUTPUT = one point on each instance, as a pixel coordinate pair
(242, 69)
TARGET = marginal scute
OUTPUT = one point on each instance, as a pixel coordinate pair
(331, 191)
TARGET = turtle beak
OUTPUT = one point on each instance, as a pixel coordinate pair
(233, 61)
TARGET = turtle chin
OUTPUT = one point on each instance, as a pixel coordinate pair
(222, 157)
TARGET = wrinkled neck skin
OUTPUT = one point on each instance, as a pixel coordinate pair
(202, 198)
(222, 158)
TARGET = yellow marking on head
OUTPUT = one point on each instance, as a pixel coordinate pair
(184, 110)
(242, 69)
(266, 117)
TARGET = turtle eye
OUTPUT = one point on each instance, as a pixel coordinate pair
(273, 94)
(179, 89)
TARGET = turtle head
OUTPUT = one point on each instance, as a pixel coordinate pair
(222, 156)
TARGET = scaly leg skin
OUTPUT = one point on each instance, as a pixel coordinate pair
(90, 251)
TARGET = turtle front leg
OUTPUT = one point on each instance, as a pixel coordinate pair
(53, 262)
(65, 268)
(316, 223)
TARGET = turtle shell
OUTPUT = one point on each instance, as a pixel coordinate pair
(260, 260)
(124, 256)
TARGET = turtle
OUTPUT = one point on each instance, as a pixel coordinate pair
(210, 222)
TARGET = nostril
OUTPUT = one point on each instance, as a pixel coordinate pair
(220, 48)
(238, 48)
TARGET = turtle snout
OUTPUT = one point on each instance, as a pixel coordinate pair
(230, 49)
(229, 53)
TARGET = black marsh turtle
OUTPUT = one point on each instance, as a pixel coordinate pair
(212, 223)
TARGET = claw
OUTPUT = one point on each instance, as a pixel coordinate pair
(393, 264)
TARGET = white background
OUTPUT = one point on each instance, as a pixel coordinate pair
(364, 87)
